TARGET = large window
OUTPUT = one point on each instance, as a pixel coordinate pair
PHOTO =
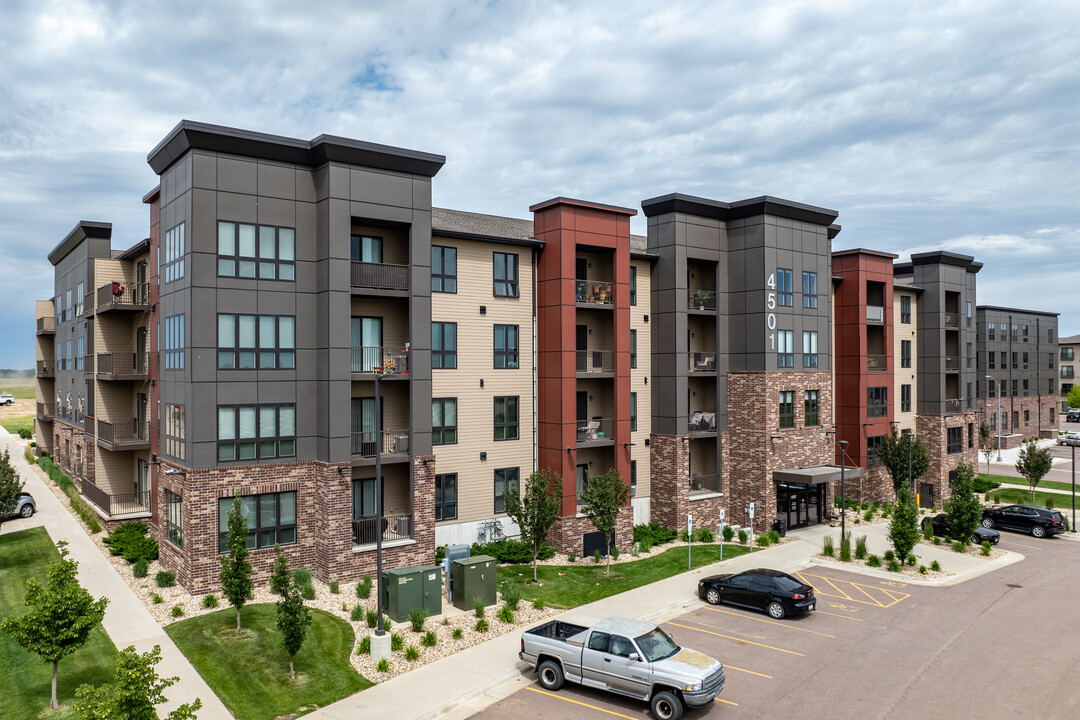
(249, 431)
(785, 350)
(443, 269)
(263, 251)
(1067, 353)
(787, 408)
(446, 497)
(905, 398)
(633, 285)
(905, 309)
(174, 518)
(809, 348)
(443, 421)
(80, 353)
(905, 353)
(506, 347)
(877, 401)
(80, 296)
(633, 349)
(175, 435)
(990, 331)
(783, 288)
(872, 445)
(271, 520)
(172, 265)
(271, 339)
(506, 418)
(174, 342)
(809, 289)
(365, 248)
(505, 478)
(811, 414)
(506, 275)
(444, 345)
(633, 478)
(633, 412)
(955, 441)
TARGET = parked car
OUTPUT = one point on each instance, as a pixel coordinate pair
(6, 398)
(939, 525)
(628, 657)
(25, 507)
(1069, 439)
(1038, 521)
(775, 592)
(1073, 415)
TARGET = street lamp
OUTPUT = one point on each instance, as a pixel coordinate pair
(843, 495)
(998, 420)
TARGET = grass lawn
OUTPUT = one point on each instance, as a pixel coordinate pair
(24, 679)
(13, 424)
(567, 586)
(1021, 496)
(21, 388)
(250, 673)
(1047, 484)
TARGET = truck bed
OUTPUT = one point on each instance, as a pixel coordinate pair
(557, 630)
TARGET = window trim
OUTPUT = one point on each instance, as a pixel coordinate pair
(877, 406)
(174, 526)
(256, 532)
(174, 432)
(784, 289)
(633, 412)
(905, 309)
(499, 506)
(905, 353)
(444, 428)
(809, 282)
(950, 448)
(785, 358)
(258, 440)
(257, 260)
(633, 349)
(508, 286)
(443, 277)
(441, 503)
(257, 351)
(787, 409)
(905, 403)
(507, 402)
(507, 354)
(172, 265)
(810, 348)
(811, 408)
(633, 286)
(442, 358)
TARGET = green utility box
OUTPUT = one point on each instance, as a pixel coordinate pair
(418, 586)
(474, 577)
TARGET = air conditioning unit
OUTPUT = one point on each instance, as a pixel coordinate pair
(401, 444)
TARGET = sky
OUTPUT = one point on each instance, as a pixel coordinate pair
(926, 125)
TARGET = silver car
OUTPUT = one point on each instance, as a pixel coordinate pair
(25, 507)
(1069, 439)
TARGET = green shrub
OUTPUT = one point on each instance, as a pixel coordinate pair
(774, 537)
(482, 626)
(705, 535)
(363, 588)
(177, 611)
(868, 515)
(478, 606)
(728, 532)
(511, 595)
(511, 551)
(986, 548)
(935, 566)
(440, 554)
(644, 547)
(654, 534)
(894, 566)
(937, 541)
(334, 588)
(456, 633)
(922, 569)
(156, 599)
(506, 615)
(614, 552)
(538, 604)
(357, 615)
(417, 618)
(762, 540)
(344, 606)
(397, 642)
(364, 646)
(165, 578)
(387, 623)
(873, 561)
(429, 639)
(129, 540)
(959, 546)
(597, 557)
(743, 536)
(827, 548)
(911, 559)
(889, 556)
(984, 485)
(845, 549)
(28, 453)
(140, 568)
(79, 505)
(383, 666)
(370, 617)
(571, 557)
(210, 601)
(1049, 503)
(307, 592)
(412, 653)
(860, 548)
(301, 576)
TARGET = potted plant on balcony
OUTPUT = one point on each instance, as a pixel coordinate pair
(702, 298)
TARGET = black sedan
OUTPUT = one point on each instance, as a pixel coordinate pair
(775, 592)
(939, 525)
(1033, 519)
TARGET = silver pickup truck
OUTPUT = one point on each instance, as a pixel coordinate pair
(627, 657)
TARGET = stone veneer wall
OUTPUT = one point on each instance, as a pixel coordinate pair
(988, 407)
(932, 430)
(78, 439)
(876, 484)
(569, 529)
(671, 500)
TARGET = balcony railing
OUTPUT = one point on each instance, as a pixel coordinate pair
(597, 429)
(952, 320)
(393, 442)
(952, 362)
(876, 363)
(117, 366)
(370, 359)
(952, 405)
(44, 370)
(704, 483)
(1068, 372)
(702, 362)
(701, 421)
(594, 292)
(118, 503)
(380, 276)
(44, 411)
(46, 325)
(875, 314)
(126, 435)
(123, 296)
(595, 361)
(394, 527)
(701, 299)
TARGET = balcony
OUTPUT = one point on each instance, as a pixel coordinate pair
(394, 527)
(1068, 372)
(704, 483)
(702, 362)
(952, 321)
(123, 297)
(952, 363)
(371, 360)
(394, 446)
(44, 412)
(595, 362)
(701, 299)
(114, 504)
(46, 325)
(123, 366)
(702, 422)
(590, 293)
(44, 370)
(130, 435)
(380, 276)
(875, 314)
(595, 432)
(952, 405)
(877, 363)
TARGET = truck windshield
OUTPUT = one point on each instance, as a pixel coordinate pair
(656, 645)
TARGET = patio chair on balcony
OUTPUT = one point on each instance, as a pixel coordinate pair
(590, 430)
(695, 481)
(706, 363)
(708, 421)
(695, 421)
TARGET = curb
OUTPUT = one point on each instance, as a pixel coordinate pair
(1009, 558)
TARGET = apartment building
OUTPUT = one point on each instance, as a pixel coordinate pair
(1018, 354)
(1069, 360)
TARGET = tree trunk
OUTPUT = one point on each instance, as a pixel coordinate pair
(607, 546)
(238, 619)
(536, 557)
(292, 670)
(55, 705)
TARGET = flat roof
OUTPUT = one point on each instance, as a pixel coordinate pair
(719, 210)
(999, 308)
(83, 229)
(629, 212)
(864, 251)
(815, 474)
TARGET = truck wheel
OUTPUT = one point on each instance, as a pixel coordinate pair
(550, 675)
(666, 706)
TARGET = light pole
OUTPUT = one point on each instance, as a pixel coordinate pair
(843, 495)
(998, 421)
(378, 510)
(1074, 486)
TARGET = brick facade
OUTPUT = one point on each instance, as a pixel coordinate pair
(876, 484)
(933, 431)
(570, 529)
(671, 498)
(68, 441)
(1042, 415)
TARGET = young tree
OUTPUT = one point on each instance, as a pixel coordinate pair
(1073, 398)
(536, 511)
(137, 690)
(904, 524)
(10, 486)
(1033, 464)
(987, 443)
(63, 615)
(279, 573)
(964, 508)
(293, 619)
(235, 574)
(893, 453)
(603, 496)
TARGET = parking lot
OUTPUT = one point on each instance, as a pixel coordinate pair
(1000, 645)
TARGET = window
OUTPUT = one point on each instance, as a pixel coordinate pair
(506, 275)
(67, 306)
(969, 397)
(990, 357)
(1014, 360)
(80, 296)
(444, 421)
(1050, 386)
(506, 347)
(1067, 353)
(955, 442)
(271, 520)
(446, 497)
(174, 518)
(175, 340)
(175, 433)
(1015, 387)
(1004, 360)
(247, 431)
(633, 285)
(633, 349)
(971, 435)
(1050, 360)
(443, 269)
(263, 251)
(1027, 417)
(1068, 371)
(506, 418)
(365, 248)
(633, 412)
(809, 289)
(67, 355)
(877, 401)
(783, 287)
(80, 352)
(809, 348)
(810, 401)
(270, 338)
(785, 349)
(905, 398)
(905, 353)
(1023, 329)
(1016, 419)
(1026, 389)
(967, 312)
(872, 445)
(787, 408)
(1050, 335)
(1024, 358)
(905, 309)
(444, 345)
(967, 356)
(990, 331)
(505, 478)
(173, 265)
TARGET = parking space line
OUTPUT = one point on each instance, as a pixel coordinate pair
(771, 622)
(727, 702)
(893, 595)
(737, 639)
(870, 597)
(842, 593)
(732, 667)
(578, 702)
(1013, 542)
(842, 617)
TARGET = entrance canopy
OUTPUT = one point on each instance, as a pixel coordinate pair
(815, 474)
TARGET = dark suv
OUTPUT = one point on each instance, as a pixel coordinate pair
(1073, 416)
(1038, 521)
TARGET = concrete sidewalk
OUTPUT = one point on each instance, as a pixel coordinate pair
(127, 621)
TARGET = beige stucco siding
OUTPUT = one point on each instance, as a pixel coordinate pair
(902, 375)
